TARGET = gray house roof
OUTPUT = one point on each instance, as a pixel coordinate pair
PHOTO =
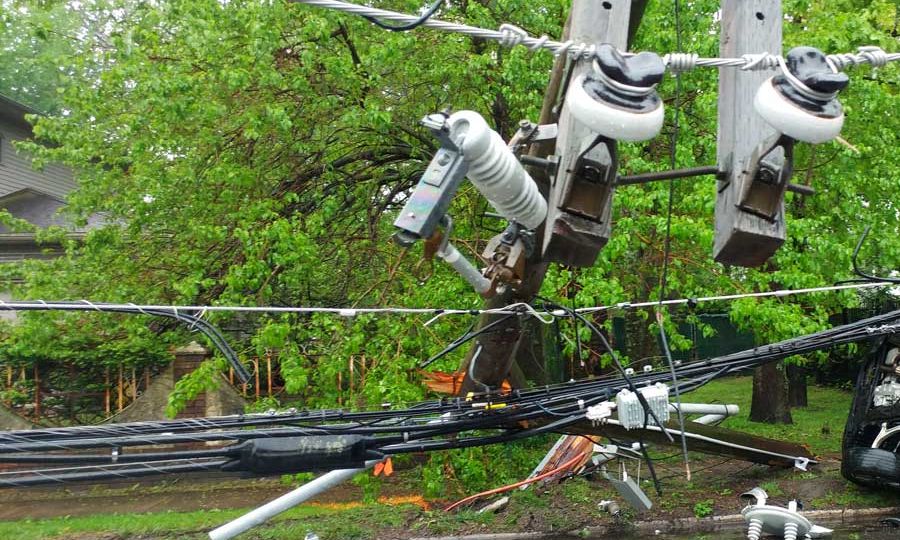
(26, 193)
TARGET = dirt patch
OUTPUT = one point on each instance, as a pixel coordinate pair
(556, 508)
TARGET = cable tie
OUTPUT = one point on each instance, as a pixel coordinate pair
(680, 62)
(874, 54)
(137, 307)
(802, 87)
(347, 312)
(760, 61)
(512, 35)
(88, 302)
(440, 314)
(563, 48)
(197, 319)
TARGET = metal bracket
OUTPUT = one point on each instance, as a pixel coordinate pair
(506, 254)
(530, 133)
(593, 181)
(766, 180)
(431, 198)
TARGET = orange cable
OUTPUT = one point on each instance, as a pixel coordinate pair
(564, 466)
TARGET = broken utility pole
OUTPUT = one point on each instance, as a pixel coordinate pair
(566, 238)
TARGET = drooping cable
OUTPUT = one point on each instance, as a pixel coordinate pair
(463, 339)
(194, 322)
(631, 386)
(408, 26)
(865, 275)
(428, 426)
(667, 248)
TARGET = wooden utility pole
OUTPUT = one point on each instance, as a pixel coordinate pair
(742, 237)
(589, 21)
(578, 215)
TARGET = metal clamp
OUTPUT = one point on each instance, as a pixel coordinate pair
(594, 180)
(766, 179)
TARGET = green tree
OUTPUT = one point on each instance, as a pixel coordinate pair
(253, 153)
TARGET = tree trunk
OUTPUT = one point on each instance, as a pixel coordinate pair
(796, 376)
(770, 395)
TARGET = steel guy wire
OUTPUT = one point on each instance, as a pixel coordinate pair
(509, 35)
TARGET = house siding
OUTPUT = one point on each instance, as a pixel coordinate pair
(16, 172)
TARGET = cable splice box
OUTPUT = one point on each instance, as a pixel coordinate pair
(631, 412)
(302, 454)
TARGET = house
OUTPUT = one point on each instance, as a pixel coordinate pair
(26, 193)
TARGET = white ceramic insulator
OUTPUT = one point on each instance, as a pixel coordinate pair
(610, 121)
(496, 172)
(755, 530)
(791, 119)
(790, 531)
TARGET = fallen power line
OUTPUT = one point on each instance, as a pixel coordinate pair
(305, 440)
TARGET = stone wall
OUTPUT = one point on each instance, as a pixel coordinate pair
(10, 421)
(151, 405)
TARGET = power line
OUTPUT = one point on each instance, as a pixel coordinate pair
(194, 313)
(663, 279)
(509, 35)
(427, 426)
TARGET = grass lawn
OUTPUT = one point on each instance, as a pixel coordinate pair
(357, 522)
(820, 425)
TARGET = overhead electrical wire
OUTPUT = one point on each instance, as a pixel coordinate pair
(411, 25)
(186, 312)
(427, 426)
(865, 275)
(194, 322)
(510, 35)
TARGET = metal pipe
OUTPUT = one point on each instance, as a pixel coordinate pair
(706, 408)
(666, 175)
(675, 174)
(801, 189)
(709, 419)
(285, 502)
(464, 268)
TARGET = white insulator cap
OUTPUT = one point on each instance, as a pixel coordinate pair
(794, 121)
(608, 120)
(495, 171)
